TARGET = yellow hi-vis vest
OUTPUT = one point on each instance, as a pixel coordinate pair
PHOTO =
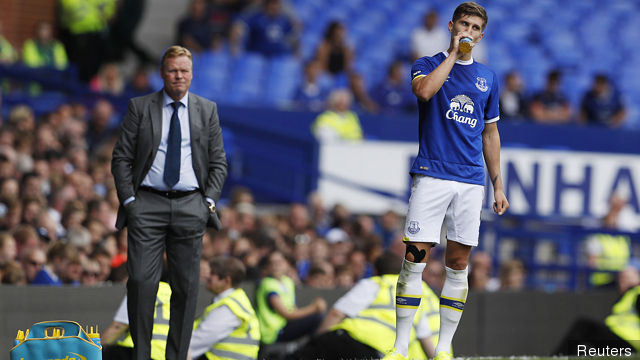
(270, 321)
(160, 324)
(32, 55)
(86, 16)
(614, 257)
(346, 125)
(624, 320)
(244, 342)
(375, 326)
(8, 54)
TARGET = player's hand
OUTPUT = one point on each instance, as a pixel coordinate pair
(320, 305)
(501, 204)
(455, 43)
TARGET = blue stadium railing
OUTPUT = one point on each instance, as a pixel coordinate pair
(56, 87)
(565, 268)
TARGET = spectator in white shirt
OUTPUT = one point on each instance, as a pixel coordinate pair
(430, 38)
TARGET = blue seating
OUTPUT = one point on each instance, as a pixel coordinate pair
(212, 74)
(155, 80)
(576, 36)
(282, 79)
(247, 80)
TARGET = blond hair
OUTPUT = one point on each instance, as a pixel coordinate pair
(174, 52)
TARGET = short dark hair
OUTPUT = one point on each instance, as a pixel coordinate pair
(388, 263)
(228, 266)
(471, 8)
(554, 75)
(601, 78)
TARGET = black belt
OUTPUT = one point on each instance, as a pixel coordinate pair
(171, 194)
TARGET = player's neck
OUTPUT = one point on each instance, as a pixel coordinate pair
(465, 57)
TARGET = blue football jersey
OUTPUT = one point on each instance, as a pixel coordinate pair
(451, 122)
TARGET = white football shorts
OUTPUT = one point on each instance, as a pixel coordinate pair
(436, 200)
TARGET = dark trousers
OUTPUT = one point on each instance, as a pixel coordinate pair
(591, 333)
(300, 327)
(88, 51)
(336, 345)
(116, 352)
(155, 224)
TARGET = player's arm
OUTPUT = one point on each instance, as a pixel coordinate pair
(618, 118)
(422, 328)
(425, 86)
(428, 347)
(333, 317)
(491, 152)
(113, 332)
(351, 304)
(317, 306)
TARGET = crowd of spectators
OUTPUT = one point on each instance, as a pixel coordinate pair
(58, 201)
(601, 105)
(58, 207)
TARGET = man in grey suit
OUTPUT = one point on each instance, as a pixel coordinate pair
(169, 167)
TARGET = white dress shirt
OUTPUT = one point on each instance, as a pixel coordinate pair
(154, 177)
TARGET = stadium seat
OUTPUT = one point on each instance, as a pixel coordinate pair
(308, 43)
(155, 80)
(282, 79)
(213, 74)
(247, 80)
(633, 116)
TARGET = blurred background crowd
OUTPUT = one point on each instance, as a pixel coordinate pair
(57, 198)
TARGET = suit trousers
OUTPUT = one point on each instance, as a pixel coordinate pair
(157, 223)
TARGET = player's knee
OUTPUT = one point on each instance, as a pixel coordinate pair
(457, 263)
(417, 252)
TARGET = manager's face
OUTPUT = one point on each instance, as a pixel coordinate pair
(177, 74)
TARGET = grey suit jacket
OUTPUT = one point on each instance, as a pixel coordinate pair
(139, 140)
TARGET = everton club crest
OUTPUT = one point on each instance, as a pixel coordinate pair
(481, 84)
(413, 228)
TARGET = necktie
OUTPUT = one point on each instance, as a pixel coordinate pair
(172, 159)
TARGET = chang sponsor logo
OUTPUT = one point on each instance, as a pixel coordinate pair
(460, 108)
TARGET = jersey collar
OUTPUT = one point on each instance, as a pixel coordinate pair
(461, 62)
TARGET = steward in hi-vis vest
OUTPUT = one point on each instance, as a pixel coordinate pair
(618, 335)
(122, 349)
(624, 320)
(229, 327)
(609, 253)
(362, 323)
